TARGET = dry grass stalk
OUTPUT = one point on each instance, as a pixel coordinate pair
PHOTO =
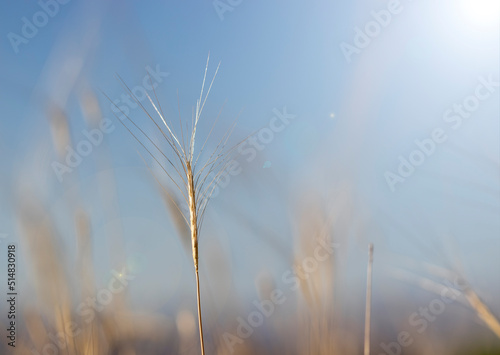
(196, 184)
(482, 311)
(40, 240)
(467, 295)
(368, 305)
(315, 322)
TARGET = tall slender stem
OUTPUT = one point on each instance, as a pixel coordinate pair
(199, 313)
(368, 301)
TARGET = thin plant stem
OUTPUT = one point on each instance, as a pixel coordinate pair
(199, 313)
(368, 305)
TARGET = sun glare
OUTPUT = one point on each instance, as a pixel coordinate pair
(482, 13)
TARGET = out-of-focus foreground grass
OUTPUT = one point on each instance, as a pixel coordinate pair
(73, 311)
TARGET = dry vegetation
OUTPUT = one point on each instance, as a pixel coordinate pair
(313, 322)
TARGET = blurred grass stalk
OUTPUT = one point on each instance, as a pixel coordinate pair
(470, 297)
(368, 306)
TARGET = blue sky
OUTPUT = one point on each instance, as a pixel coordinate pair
(354, 118)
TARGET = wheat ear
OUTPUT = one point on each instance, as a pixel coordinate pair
(194, 243)
(196, 185)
